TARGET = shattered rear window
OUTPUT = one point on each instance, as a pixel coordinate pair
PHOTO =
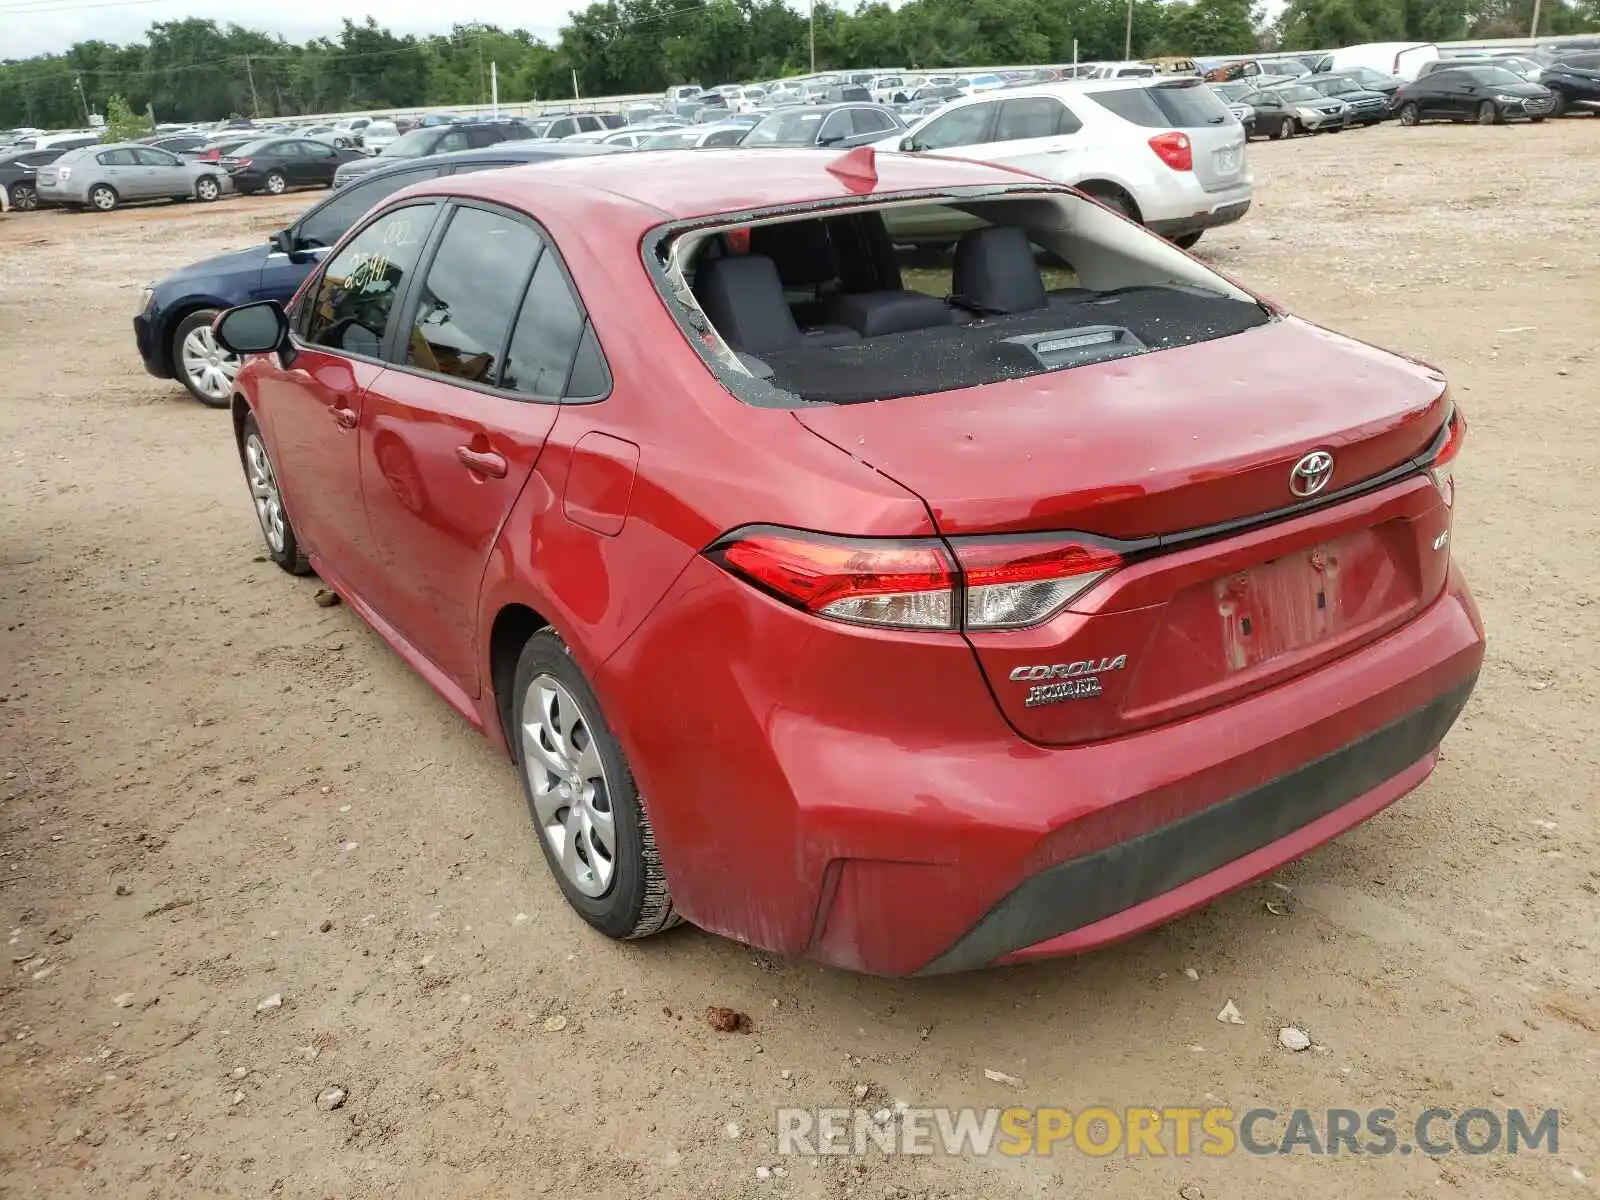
(870, 302)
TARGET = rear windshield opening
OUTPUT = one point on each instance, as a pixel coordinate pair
(874, 303)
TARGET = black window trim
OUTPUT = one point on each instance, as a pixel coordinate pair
(313, 284)
(407, 299)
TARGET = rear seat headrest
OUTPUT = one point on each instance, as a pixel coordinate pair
(803, 251)
(743, 297)
(995, 272)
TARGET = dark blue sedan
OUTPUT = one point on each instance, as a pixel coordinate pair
(173, 326)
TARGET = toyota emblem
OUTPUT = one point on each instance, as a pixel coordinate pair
(1311, 473)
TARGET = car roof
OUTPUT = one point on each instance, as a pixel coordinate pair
(675, 184)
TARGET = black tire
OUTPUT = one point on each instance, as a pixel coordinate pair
(23, 196)
(1489, 113)
(207, 189)
(1535, 120)
(103, 197)
(637, 902)
(291, 557)
(1283, 129)
(1115, 201)
(275, 184)
(1561, 105)
(1410, 114)
(1185, 241)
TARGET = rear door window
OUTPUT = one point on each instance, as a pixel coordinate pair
(868, 120)
(1165, 107)
(350, 307)
(546, 339)
(117, 158)
(1032, 117)
(463, 315)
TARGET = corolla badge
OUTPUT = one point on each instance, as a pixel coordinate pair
(1311, 473)
(1076, 680)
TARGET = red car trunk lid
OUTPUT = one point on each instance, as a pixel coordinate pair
(1152, 449)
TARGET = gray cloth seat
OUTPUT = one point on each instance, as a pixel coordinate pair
(743, 297)
(995, 275)
(873, 314)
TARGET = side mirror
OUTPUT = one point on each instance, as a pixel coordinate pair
(258, 328)
(909, 144)
(282, 242)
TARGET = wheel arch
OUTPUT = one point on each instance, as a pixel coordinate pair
(514, 623)
(172, 317)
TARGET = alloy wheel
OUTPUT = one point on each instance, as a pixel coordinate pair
(1286, 129)
(23, 197)
(1488, 114)
(1408, 114)
(206, 364)
(207, 189)
(567, 780)
(264, 492)
(103, 198)
(275, 184)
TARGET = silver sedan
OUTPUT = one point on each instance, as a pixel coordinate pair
(102, 177)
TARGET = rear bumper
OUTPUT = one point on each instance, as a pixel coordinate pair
(1100, 897)
(60, 193)
(860, 800)
(1224, 213)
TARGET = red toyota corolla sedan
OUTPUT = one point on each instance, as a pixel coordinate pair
(912, 620)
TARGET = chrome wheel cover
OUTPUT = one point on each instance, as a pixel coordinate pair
(264, 491)
(206, 364)
(567, 780)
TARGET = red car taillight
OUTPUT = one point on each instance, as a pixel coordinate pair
(1013, 584)
(994, 583)
(1174, 150)
(238, 162)
(1441, 470)
(899, 584)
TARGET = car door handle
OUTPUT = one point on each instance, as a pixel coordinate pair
(346, 418)
(484, 462)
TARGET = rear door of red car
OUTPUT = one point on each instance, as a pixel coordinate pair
(452, 432)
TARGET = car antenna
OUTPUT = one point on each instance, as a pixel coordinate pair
(857, 170)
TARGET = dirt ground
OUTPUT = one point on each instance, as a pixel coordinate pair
(214, 792)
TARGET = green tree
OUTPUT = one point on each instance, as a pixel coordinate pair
(122, 123)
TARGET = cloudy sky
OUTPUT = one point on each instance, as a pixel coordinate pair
(29, 27)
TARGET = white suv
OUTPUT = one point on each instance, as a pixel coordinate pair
(1165, 152)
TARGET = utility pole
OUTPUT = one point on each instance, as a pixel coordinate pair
(255, 105)
(77, 81)
(1127, 39)
(813, 37)
(1533, 30)
(494, 89)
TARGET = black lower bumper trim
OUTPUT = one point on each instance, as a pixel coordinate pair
(1084, 890)
(1227, 214)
